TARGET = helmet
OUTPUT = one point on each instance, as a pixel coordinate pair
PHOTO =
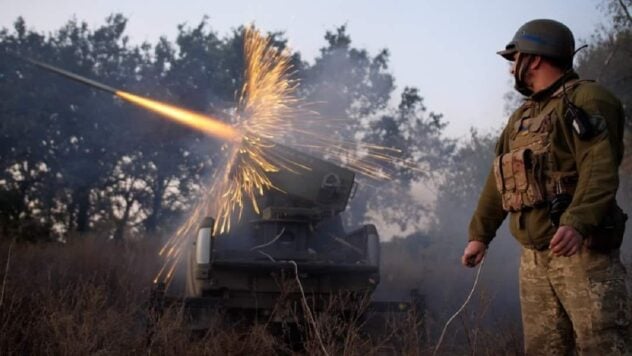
(547, 38)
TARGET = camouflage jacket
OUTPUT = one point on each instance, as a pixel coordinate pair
(593, 161)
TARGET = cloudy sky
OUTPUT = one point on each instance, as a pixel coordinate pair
(445, 48)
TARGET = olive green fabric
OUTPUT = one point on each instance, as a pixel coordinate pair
(595, 161)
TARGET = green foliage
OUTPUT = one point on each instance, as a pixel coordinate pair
(607, 58)
(463, 182)
(418, 134)
(80, 159)
(74, 159)
(347, 81)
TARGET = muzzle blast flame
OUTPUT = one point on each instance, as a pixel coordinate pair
(206, 124)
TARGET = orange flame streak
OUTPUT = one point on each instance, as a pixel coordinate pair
(206, 124)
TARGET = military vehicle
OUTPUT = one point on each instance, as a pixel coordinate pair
(299, 233)
(252, 269)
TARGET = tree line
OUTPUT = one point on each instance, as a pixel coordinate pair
(75, 161)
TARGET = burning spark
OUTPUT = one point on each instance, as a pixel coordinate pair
(268, 112)
(266, 108)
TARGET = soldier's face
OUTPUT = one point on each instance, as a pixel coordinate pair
(521, 71)
(512, 68)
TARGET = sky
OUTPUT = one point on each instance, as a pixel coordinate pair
(446, 48)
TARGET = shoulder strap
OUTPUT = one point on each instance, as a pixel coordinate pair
(569, 87)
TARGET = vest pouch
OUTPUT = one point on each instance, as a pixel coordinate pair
(536, 182)
(506, 182)
(528, 174)
(609, 234)
(519, 179)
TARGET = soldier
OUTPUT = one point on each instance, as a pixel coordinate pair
(556, 175)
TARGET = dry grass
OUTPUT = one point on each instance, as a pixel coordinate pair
(91, 297)
(76, 299)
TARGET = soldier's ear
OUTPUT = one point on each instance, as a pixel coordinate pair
(536, 62)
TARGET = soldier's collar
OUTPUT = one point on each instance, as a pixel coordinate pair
(551, 89)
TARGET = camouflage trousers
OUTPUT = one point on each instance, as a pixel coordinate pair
(574, 305)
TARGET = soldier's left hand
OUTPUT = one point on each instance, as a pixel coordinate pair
(566, 241)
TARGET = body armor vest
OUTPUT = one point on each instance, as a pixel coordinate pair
(526, 176)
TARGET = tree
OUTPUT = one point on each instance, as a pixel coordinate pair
(346, 82)
(462, 183)
(67, 146)
(78, 160)
(418, 135)
(607, 58)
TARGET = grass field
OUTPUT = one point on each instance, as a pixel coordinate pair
(91, 296)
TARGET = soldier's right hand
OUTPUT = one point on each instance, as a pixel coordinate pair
(473, 254)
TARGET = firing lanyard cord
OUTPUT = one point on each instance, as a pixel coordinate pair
(307, 310)
(445, 328)
(270, 242)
